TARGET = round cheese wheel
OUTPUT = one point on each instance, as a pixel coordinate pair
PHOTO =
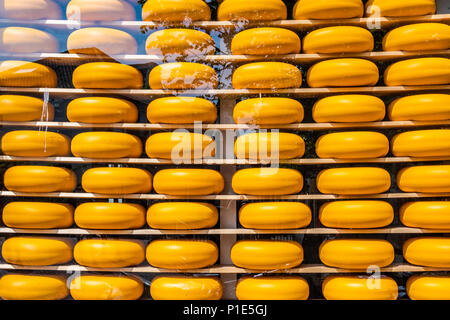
(400, 8)
(420, 107)
(416, 72)
(100, 10)
(184, 42)
(31, 143)
(272, 288)
(186, 288)
(327, 9)
(428, 251)
(426, 214)
(27, 40)
(422, 143)
(106, 287)
(265, 41)
(424, 287)
(427, 179)
(33, 287)
(23, 108)
(15, 73)
(30, 10)
(185, 11)
(261, 10)
(183, 75)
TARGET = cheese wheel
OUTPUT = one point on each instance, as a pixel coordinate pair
(101, 41)
(349, 108)
(37, 251)
(266, 75)
(427, 179)
(101, 110)
(31, 143)
(33, 287)
(106, 75)
(107, 180)
(275, 215)
(108, 215)
(176, 11)
(356, 214)
(188, 182)
(182, 254)
(267, 181)
(109, 253)
(420, 107)
(345, 72)
(269, 145)
(328, 9)
(27, 40)
(30, 10)
(185, 42)
(416, 72)
(400, 8)
(106, 287)
(276, 110)
(426, 214)
(106, 145)
(423, 287)
(38, 215)
(356, 253)
(418, 37)
(183, 75)
(428, 251)
(181, 110)
(39, 179)
(422, 143)
(339, 39)
(100, 10)
(186, 288)
(272, 288)
(182, 215)
(266, 254)
(266, 41)
(15, 73)
(23, 108)
(359, 288)
(261, 10)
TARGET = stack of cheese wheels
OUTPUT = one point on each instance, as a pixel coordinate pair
(14, 73)
(400, 8)
(27, 40)
(327, 9)
(22, 108)
(184, 42)
(421, 107)
(186, 288)
(188, 182)
(33, 287)
(419, 71)
(31, 143)
(359, 288)
(426, 179)
(183, 75)
(263, 10)
(428, 251)
(30, 10)
(426, 214)
(169, 11)
(422, 143)
(272, 288)
(100, 10)
(428, 287)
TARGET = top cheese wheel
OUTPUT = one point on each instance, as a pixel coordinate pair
(183, 75)
(424, 287)
(422, 143)
(176, 11)
(27, 40)
(420, 71)
(400, 8)
(106, 287)
(100, 10)
(428, 251)
(185, 42)
(272, 288)
(427, 179)
(107, 75)
(30, 10)
(328, 9)
(420, 107)
(33, 143)
(23, 108)
(186, 288)
(33, 287)
(190, 182)
(261, 10)
(26, 74)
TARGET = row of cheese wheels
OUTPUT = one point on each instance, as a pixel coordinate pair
(251, 181)
(343, 72)
(123, 287)
(355, 214)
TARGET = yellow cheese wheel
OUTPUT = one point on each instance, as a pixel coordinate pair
(269, 145)
(356, 253)
(422, 143)
(106, 287)
(15, 73)
(426, 214)
(424, 179)
(352, 145)
(400, 8)
(349, 108)
(186, 288)
(185, 42)
(181, 110)
(261, 10)
(23, 108)
(182, 215)
(108, 215)
(33, 143)
(423, 287)
(267, 181)
(37, 251)
(101, 110)
(345, 72)
(183, 75)
(421, 107)
(109, 253)
(266, 75)
(176, 11)
(356, 214)
(339, 39)
(113, 145)
(106, 75)
(272, 288)
(39, 179)
(276, 110)
(418, 37)
(275, 215)
(420, 71)
(182, 254)
(265, 41)
(38, 215)
(266, 254)
(30, 10)
(27, 40)
(98, 41)
(428, 251)
(100, 10)
(188, 182)
(353, 181)
(117, 180)
(33, 287)
(359, 288)
(328, 9)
